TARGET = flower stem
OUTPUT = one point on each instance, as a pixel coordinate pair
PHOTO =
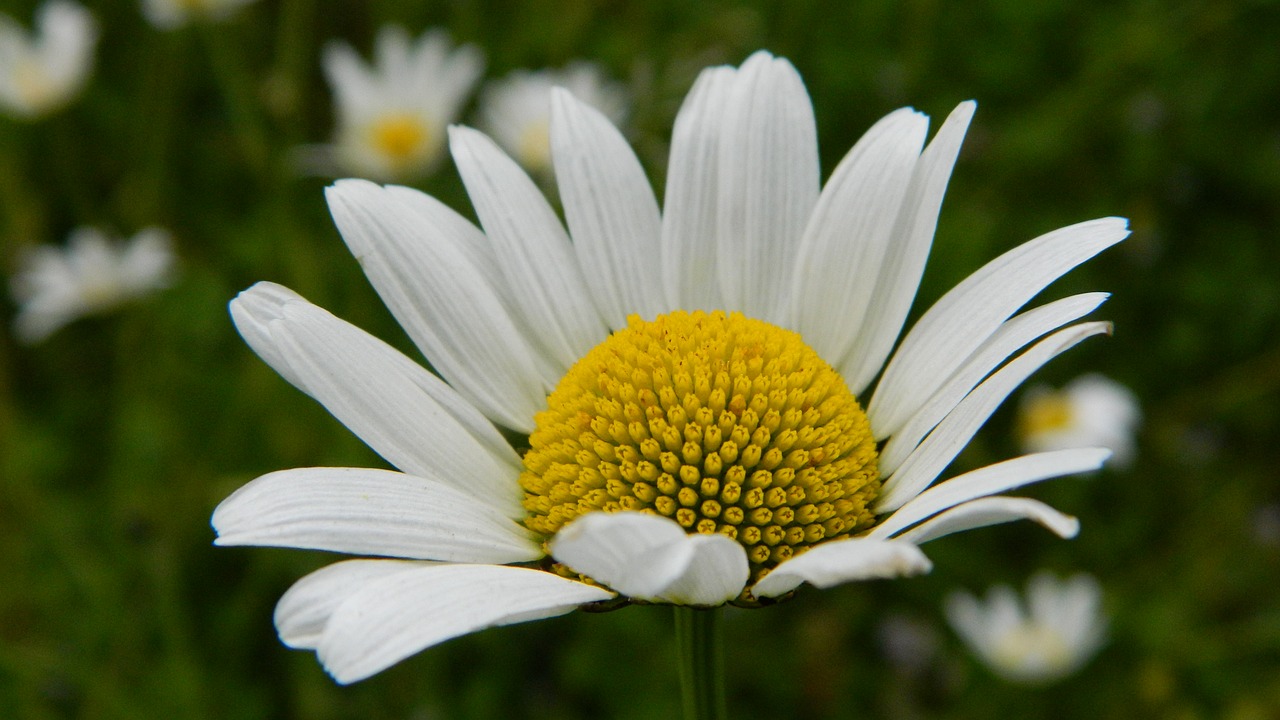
(701, 653)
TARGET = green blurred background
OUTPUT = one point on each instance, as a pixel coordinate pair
(120, 434)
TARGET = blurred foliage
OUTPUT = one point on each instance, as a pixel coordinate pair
(119, 435)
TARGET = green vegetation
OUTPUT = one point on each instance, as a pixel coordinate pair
(120, 434)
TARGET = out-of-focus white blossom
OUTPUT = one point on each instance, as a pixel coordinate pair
(1090, 411)
(55, 286)
(172, 14)
(391, 116)
(1059, 628)
(40, 72)
(516, 110)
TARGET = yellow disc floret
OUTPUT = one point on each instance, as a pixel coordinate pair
(722, 423)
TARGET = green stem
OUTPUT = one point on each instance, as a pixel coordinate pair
(160, 97)
(236, 85)
(700, 648)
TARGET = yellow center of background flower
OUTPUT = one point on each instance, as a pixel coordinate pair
(535, 146)
(1047, 413)
(400, 137)
(722, 423)
(1034, 648)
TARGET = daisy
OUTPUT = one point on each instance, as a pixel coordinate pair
(92, 275)
(391, 116)
(173, 14)
(41, 72)
(687, 379)
(1091, 410)
(1053, 635)
(516, 110)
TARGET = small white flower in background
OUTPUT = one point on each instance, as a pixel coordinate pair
(1059, 628)
(173, 14)
(55, 286)
(1090, 411)
(41, 72)
(687, 377)
(391, 116)
(516, 110)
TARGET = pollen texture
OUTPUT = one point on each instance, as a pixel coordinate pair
(722, 423)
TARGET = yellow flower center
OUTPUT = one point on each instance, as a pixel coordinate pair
(33, 84)
(722, 423)
(1047, 413)
(535, 146)
(400, 137)
(1030, 650)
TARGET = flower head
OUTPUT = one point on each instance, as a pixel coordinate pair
(689, 379)
(42, 72)
(1060, 627)
(516, 110)
(173, 14)
(391, 116)
(1091, 410)
(56, 286)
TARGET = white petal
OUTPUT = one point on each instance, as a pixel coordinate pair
(353, 85)
(460, 233)
(147, 261)
(254, 311)
(652, 558)
(304, 609)
(609, 206)
(959, 426)
(629, 552)
(443, 300)
(969, 618)
(845, 241)
(363, 511)
(967, 315)
(899, 275)
(532, 247)
(689, 208)
(842, 561)
(991, 480)
(991, 511)
(1012, 336)
(768, 185)
(403, 412)
(716, 573)
(394, 617)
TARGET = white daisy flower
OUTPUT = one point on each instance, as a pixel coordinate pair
(686, 378)
(173, 14)
(1090, 411)
(43, 71)
(516, 110)
(391, 116)
(1059, 629)
(55, 286)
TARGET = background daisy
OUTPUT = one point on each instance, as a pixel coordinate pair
(516, 109)
(1044, 638)
(42, 71)
(391, 115)
(91, 275)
